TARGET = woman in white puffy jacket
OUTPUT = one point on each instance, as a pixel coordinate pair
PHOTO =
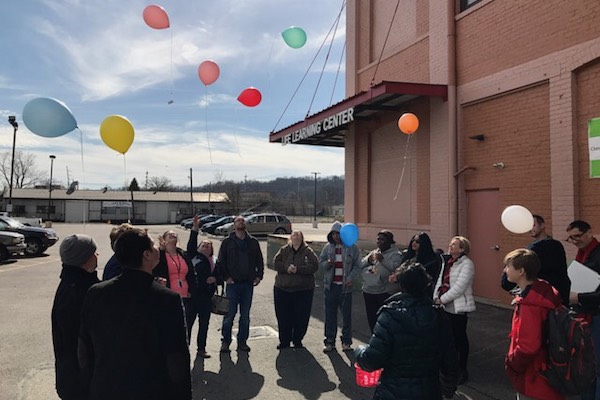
(454, 290)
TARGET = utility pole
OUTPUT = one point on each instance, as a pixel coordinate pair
(192, 193)
(13, 121)
(315, 224)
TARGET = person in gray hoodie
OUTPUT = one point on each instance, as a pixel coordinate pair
(377, 266)
(341, 266)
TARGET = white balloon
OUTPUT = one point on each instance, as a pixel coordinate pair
(517, 219)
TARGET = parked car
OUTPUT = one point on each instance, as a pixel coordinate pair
(261, 224)
(37, 240)
(11, 243)
(211, 226)
(203, 220)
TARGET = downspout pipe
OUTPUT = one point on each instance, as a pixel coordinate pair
(453, 194)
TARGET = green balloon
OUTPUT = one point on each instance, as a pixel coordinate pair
(294, 37)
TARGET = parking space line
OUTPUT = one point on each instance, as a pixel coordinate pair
(46, 260)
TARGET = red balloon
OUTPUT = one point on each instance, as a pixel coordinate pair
(250, 97)
(156, 17)
(408, 123)
(208, 72)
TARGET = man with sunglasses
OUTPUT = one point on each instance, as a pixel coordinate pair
(588, 253)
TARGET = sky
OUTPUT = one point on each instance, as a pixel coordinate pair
(100, 58)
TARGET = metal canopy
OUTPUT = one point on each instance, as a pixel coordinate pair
(383, 97)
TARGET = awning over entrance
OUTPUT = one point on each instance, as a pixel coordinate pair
(328, 127)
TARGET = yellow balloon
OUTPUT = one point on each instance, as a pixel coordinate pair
(117, 133)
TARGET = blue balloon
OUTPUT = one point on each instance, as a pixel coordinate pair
(349, 234)
(48, 117)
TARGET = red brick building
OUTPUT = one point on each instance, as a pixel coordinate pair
(503, 90)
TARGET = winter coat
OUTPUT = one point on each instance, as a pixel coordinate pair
(66, 314)
(591, 301)
(527, 354)
(230, 260)
(413, 343)
(112, 268)
(459, 298)
(306, 263)
(203, 292)
(133, 341)
(375, 276)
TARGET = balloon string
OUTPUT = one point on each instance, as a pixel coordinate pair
(403, 167)
(237, 145)
(127, 187)
(337, 74)
(171, 72)
(206, 127)
(83, 209)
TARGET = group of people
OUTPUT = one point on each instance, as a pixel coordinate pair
(128, 336)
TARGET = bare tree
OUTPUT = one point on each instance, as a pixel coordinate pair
(159, 183)
(26, 173)
(218, 177)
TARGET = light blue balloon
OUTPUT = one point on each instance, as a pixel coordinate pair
(48, 117)
(294, 37)
(349, 234)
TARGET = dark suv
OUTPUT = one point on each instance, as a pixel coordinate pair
(37, 240)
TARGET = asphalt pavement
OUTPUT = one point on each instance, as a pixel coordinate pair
(26, 360)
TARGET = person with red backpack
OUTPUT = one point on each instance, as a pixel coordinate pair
(527, 354)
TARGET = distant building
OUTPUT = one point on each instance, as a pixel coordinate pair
(115, 206)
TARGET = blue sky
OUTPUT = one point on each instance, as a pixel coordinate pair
(100, 58)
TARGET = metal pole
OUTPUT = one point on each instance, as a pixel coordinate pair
(13, 121)
(315, 224)
(192, 192)
(52, 157)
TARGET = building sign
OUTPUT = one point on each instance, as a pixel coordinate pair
(118, 204)
(594, 146)
(335, 121)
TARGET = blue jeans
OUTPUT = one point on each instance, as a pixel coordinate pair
(594, 392)
(334, 299)
(238, 293)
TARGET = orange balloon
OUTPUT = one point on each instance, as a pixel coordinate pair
(408, 123)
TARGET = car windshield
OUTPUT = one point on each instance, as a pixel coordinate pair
(13, 223)
(222, 219)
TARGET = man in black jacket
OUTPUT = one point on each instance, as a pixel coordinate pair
(132, 343)
(242, 265)
(79, 260)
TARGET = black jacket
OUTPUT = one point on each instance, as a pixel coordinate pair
(133, 341)
(162, 270)
(230, 258)
(553, 267)
(413, 343)
(66, 314)
(203, 291)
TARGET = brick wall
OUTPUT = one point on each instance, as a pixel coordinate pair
(505, 33)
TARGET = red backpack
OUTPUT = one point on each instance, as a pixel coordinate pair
(571, 364)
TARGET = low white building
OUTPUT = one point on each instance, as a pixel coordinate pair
(115, 206)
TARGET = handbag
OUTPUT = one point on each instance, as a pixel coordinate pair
(219, 302)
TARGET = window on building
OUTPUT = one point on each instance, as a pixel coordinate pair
(44, 209)
(18, 209)
(465, 4)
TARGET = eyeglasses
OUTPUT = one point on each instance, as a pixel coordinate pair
(577, 237)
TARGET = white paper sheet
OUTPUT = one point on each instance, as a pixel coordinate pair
(583, 279)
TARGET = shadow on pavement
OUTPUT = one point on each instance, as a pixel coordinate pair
(296, 367)
(233, 381)
(343, 365)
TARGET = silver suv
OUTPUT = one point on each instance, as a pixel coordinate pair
(261, 224)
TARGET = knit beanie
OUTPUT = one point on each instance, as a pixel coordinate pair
(75, 250)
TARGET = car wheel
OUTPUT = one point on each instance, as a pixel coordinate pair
(280, 231)
(34, 247)
(3, 253)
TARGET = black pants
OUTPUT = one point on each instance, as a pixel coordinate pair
(373, 303)
(292, 310)
(459, 330)
(203, 309)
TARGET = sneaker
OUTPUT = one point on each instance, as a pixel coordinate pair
(283, 346)
(243, 347)
(224, 347)
(298, 345)
(328, 348)
(346, 347)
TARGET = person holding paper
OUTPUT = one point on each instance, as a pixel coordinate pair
(588, 253)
